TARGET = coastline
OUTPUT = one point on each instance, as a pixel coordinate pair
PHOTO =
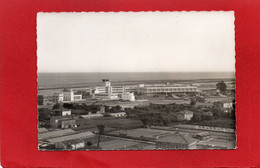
(135, 82)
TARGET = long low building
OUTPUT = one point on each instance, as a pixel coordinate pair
(153, 89)
(53, 134)
(82, 135)
(115, 96)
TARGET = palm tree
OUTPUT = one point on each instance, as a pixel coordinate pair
(101, 129)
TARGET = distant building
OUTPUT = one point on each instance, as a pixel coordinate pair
(77, 97)
(164, 88)
(231, 91)
(226, 106)
(89, 116)
(176, 141)
(42, 130)
(66, 112)
(63, 122)
(108, 92)
(53, 134)
(184, 115)
(62, 112)
(73, 144)
(131, 88)
(117, 89)
(74, 140)
(127, 96)
(47, 99)
(69, 96)
(102, 110)
(120, 114)
(83, 135)
(106, 96)
(68, 123)
(208, 113)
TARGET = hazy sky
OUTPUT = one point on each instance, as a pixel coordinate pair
(136, 42)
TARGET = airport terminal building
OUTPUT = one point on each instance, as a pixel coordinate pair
(109, 92)
(153, 89)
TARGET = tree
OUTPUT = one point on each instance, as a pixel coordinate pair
(56, 106)
(101, 129)
(44, 114)
(222, 87)
(68, 105)
(193, 102)
(145, 121)
(89, 143)
(196, 118)
(116, 108)
(200, 99)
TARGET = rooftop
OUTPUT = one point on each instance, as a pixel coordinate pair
(177, 138)
(67, 119)
(71, 137)
(224, 101)
(52, 134)
(91, 115)
(62, 117)
(73, 141)
(41, 130)
(185, 112)
(117, 113)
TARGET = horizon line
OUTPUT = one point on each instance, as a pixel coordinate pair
(146, 72)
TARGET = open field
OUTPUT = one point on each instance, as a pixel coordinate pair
(217, 138)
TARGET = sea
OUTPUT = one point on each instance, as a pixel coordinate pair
(58, 79)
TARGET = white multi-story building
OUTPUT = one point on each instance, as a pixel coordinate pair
(109, 92)
(132, 88)
(69, 96)
(106, 96)
(117, 89)
(127, 96)
(77, 97)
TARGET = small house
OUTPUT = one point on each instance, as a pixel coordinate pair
(226, 106)
(184, 115)
(120, 114)
(176, 141)
(66, 121)
(73, 144)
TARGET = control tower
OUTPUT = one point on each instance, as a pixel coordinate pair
(108, 85)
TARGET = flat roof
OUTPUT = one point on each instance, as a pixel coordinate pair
(67, 119)
(177, 138)
(62, 117)
(41, 130)
(51, 134)
(117, 113)
(91, 115)
(185, 112)
(71, 137)
(73, 141)
(117, 144)
(223, 101)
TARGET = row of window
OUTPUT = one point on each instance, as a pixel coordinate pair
(171, 89)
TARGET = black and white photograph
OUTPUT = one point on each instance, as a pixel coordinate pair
(136, 80)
